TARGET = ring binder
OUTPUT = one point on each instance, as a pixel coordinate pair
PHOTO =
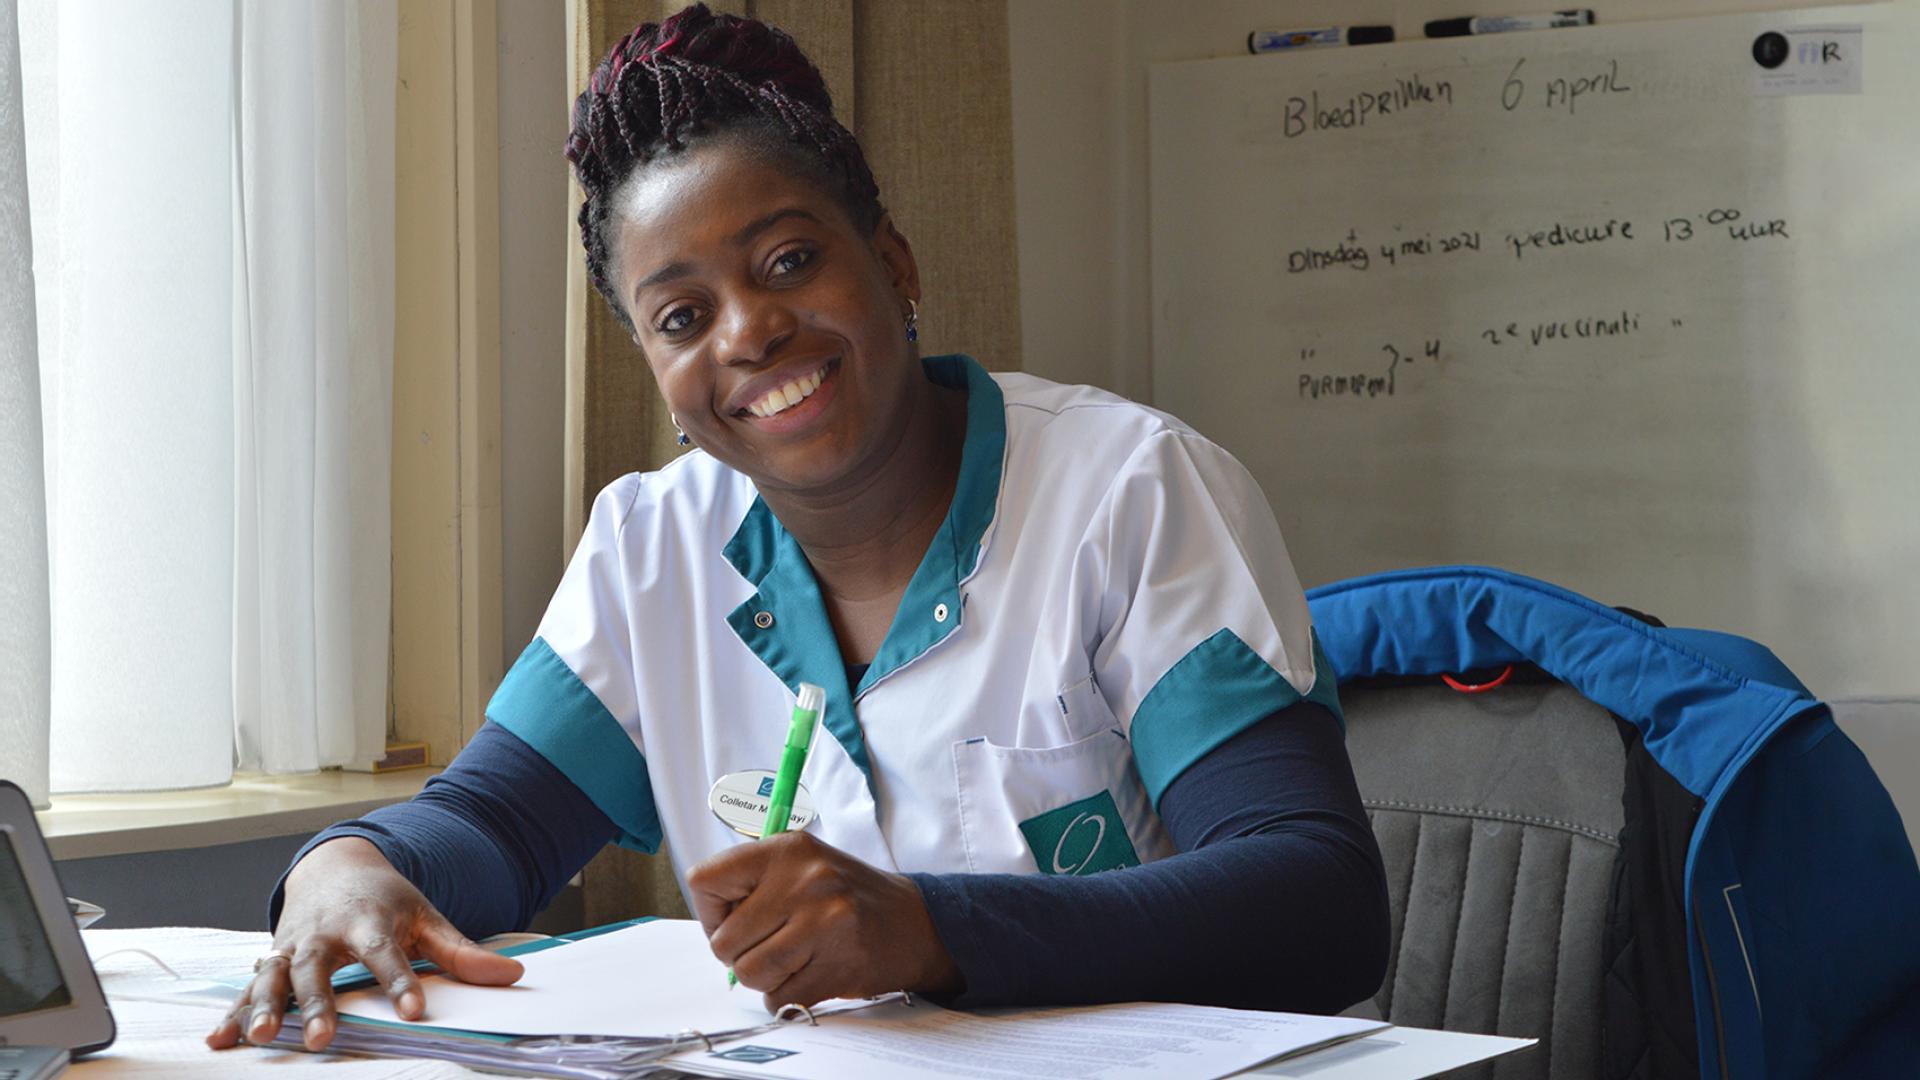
(782, 1014)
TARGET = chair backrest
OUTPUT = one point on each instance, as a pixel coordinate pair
(1888, 732)
(1499, 817)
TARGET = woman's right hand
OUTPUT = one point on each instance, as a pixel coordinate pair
(345, 902)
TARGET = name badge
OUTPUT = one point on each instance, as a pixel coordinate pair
(739, 800)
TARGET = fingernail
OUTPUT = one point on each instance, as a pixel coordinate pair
(316, 1028)
(257, 1026)
(410, 1004)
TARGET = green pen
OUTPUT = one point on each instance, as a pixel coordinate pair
(806, 710)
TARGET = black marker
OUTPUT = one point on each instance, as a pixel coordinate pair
(1266, 41)
(1500, 24)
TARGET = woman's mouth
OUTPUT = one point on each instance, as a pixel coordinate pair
(789, 394)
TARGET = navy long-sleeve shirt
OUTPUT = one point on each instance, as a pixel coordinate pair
(1277, 899)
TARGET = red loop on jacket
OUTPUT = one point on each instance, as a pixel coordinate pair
(1478, 688)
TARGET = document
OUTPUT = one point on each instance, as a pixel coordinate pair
(897, 1041)
(653, 980)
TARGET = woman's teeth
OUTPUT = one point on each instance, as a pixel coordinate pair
(786, 397)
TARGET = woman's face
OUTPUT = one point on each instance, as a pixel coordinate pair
(775, 327)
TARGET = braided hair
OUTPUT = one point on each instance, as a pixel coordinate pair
(692, 77)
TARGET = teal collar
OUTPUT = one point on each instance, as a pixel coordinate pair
(785, 622)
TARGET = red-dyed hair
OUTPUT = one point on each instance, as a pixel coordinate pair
(693, 76)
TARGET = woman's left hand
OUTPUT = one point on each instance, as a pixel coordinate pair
(802, 921)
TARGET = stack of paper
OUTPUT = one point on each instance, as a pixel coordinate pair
(599, 1008)
(627, 1001)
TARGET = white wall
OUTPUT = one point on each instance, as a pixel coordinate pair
(535, 244)
(1080, 149)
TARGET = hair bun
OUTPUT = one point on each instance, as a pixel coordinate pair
(752, 51)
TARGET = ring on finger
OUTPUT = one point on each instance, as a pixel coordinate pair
(277, 954)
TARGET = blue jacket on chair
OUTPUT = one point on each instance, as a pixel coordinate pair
(1802, 895)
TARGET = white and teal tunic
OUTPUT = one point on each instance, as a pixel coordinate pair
(1108, 599)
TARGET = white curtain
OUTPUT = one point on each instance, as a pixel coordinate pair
(25, 656)
(313, 376)
(212, 205)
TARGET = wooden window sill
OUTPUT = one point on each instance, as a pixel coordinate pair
(255, 806)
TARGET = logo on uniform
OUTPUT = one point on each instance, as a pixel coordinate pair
(1080, 838)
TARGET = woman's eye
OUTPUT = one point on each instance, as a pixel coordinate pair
(791, 262)
(678, 319)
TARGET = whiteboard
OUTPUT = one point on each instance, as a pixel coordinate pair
(1585, 304)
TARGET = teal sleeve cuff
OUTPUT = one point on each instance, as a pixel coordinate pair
(547, 706)
(1219, 689)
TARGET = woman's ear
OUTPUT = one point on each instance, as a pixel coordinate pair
(897, 256)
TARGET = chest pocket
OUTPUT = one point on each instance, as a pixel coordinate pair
(1077, 808)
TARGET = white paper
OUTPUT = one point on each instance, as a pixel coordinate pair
(1398, 1053)
(1099, 1042)
(651, 980)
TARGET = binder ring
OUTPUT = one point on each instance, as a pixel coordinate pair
(797, 1011)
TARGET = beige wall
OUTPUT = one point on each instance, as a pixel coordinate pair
(1080, 149)
(535, 246)
(426, 682)
(481, 250)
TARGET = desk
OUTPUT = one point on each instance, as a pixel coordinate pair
(162, 1039)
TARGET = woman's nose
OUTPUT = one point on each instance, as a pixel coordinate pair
(751, 331)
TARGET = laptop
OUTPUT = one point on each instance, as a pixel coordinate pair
(50, 1000)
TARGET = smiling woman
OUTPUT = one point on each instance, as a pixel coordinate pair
(804, 308)
(1058, 633)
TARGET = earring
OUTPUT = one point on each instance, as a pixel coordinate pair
(913, 319)
(679, 437)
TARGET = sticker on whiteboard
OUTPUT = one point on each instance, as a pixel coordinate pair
(1808, 60)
